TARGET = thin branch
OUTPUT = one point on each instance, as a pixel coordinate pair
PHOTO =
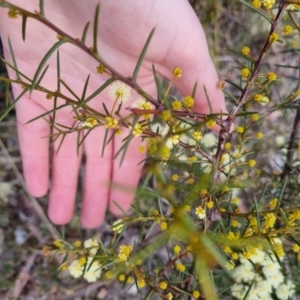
(295, 134)
(227, 123)
(76, 42)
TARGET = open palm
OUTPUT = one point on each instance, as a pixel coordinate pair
(124, 26)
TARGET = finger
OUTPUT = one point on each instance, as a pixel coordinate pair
(65, 166)
(125, 177)
(191, 54)
(34, 146)
(96, 178)
(208, 98)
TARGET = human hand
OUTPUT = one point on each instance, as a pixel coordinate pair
(124, 26)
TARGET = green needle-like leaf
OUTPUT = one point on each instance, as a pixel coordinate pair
(208, 99)
(58, 70)
(42, 75)
(47, 113)
(43, 63)
(287, 66)
(257, 216)
(234, 85)
(120, 208)
(229, 95)
(111, 137)
(8, 109)
(124, 149)
(249, 113)
(150, 230)
(105, 109)
(159, 86)
(11, 50)
(104, 142)
(142, 232)
(61, 142)
(95, 31)
(284, 217)
(98, 91)
(248, 291)
(65, 258)
(194, 90)
(142, 56)
(256, 10)
(85, 31)
(58, 87)
(240, 54)
(70, 90)
(283, 187)
(261, 196)
(24, 21)
(84, 137)
(85, 88)
(15, 69)
(78, 142)
(42, 11)
(6, 93)
(225, 289)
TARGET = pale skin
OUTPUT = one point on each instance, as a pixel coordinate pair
(124, 26)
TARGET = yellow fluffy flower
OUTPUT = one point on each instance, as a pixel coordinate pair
(296, 248)
(200, 212)
(141, 283)
(137, 129)
(197, 135)
(176, 105)
(124, 252)
(188, 101)
(180, 267)
(175, 177)
(270, 220)
(271, 76)
(119, 91)
(177, 249)
(141, 103)
(251, 163)
(273, 203)
(165, 115)
(210, 204)
(245, 50)
(177, 72)
(111, 122)
(13, 13)
(90, 122)
(256, 3)
(100, 69)
(287, 29)
(122, 277)
(268, 3)
(163, 226)
(259, 135)
(196, 294)
(240, 129)
(163, 285)
(245, 72)
(210, 124)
